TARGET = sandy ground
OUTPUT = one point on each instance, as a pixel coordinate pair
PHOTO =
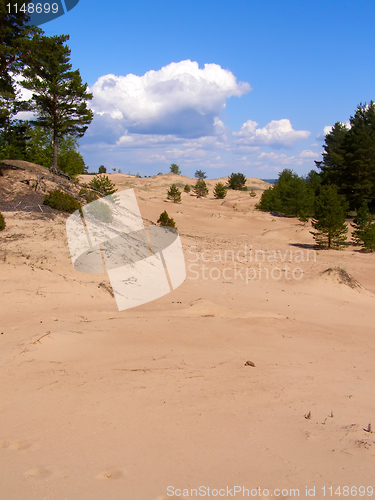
(142, 404)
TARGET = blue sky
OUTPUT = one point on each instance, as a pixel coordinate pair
(223, 86)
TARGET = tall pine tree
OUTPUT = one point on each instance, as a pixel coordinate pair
(59, 95)
(332, 166)
(359, 171)
(329, 219)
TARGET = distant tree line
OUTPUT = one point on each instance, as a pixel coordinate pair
(40, 64)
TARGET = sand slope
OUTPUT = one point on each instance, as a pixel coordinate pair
(100, 404)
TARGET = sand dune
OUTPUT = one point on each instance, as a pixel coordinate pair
(100, 404)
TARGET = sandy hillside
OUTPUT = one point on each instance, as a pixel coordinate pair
(99, 404)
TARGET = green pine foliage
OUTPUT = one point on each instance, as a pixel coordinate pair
(187, 188)
(165, 220)
(102, 169)
(200, 188)
(368, 238)
(364, 229)
(102, 185)
(360, 223)
(175, 169)
(220, 191)
(174, 194)
(199, 174)
(61, 201)
(329, 220)
(2, 222)
(349, 158)
(16, 42)
(59, 95)
(237, 181)
(291, 196)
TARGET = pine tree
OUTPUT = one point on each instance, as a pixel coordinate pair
(200, 188)
(364, 229)
(16, 45)
(368, 237)
(174, 194)
(187, 188)
(40, 151)
(360, 223)
(237, 181)
(220, 191)
(329, 219)
(59, 96)
(199, 174)
(165, 220)
(291, 196)
(15, 42)
(359, 173)
(332, 166)
(102, 185)
(175, 169)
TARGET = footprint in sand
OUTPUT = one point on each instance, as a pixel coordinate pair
(43, 472)
(39, 472)
(111, 474)
(18, 445)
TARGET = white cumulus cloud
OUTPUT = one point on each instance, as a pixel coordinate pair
(277, 133)
(180, 99)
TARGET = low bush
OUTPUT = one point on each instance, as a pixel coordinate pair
(237, 181)
(187, 188)
(165, 220)
(61, 201)
(2, 222)
(200, 188)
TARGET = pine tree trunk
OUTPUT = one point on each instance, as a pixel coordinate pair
(54, 168)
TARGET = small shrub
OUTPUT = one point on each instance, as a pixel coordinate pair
(174, 194)
(220, 191)
(102, 185)
(200, 188)
(2, 222)
(102, 169)
(252, 193)
(100, 211)
(61, 201)
(187, 188)
(165, 220)
(237, 181)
